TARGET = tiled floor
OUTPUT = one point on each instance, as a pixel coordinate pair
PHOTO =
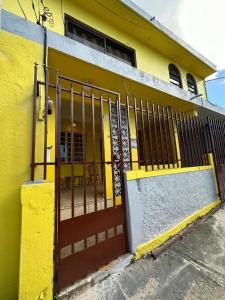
(66, 201)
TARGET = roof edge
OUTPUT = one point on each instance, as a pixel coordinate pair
(159, 26)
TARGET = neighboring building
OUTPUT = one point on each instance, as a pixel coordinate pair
(115, 125)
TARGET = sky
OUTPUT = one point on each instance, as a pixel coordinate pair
(200, 23)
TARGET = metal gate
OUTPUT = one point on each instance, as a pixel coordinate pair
(93, 148)
(91, 229)
(217, 136)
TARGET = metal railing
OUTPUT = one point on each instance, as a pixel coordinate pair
(123, 134)
(161, 137)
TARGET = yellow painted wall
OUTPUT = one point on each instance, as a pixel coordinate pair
(17, 57)
(148, 59)
(37, 234)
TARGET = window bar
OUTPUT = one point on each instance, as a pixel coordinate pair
(84, 150)
(103, 148)
(129, 134)
(112, 154)
(72, 148)
(143, 136)
(187, 139)
(150, 133)
(166, 136)
(172, 129)
(136, 126)
(46, 121)
(94, 149)
(155, 131)
(160, 135)
(34, 122)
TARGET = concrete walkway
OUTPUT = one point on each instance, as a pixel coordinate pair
(193, 268)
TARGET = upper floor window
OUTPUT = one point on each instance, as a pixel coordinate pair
(191, 83)
(175, 77)
(90, 37)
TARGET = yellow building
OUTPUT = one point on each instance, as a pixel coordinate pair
(121, 95)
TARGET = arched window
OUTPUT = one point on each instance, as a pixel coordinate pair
(175, 77)
(191, 83)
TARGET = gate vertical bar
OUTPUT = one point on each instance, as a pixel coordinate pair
(84, 150)
(72, 149)
(155, 132)
(94, 150)
(137, 134)
(46, 120)
(143, 135)
(129, 133)
(34, 123)
(160, 135)
(166, 136)
(150, 133)
(57, 178)
(103, 146)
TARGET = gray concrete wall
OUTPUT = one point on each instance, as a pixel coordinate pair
(156, 204)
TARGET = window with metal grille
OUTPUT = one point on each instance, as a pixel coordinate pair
(175, 77)
(191, 83)
(84, 34)
(66, 147)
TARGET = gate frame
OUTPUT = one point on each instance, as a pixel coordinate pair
(58, 89)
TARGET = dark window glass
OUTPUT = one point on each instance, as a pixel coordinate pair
(191, 83)
(65, 147)
(118, 52)
(175, 77)
(98, 41)
(84, 36)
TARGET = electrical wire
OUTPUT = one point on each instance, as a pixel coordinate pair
(118, 15)
(22, 9)
(35, 13)
(215, 79)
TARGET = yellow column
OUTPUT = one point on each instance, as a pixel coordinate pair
(37, 232)
(177, 146)
(211, 163)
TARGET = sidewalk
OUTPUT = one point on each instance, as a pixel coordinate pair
(193, 268)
